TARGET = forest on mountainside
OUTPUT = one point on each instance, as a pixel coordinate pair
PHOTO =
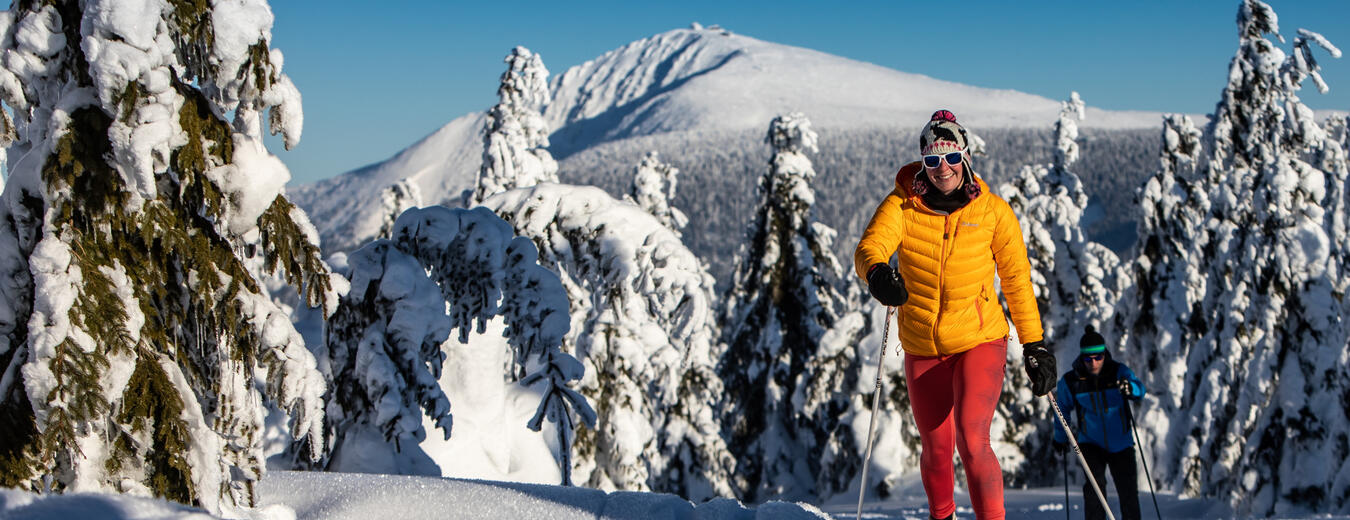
(853, 168)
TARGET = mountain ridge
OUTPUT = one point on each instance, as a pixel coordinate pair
(683, 81)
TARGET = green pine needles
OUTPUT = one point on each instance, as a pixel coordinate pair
(148, 331)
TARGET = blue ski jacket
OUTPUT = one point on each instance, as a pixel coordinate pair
(1097, 404)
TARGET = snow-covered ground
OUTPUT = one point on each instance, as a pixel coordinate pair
(305, 496)
(1029, 504)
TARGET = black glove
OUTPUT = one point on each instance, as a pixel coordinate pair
(1126, 389)
(886, 285)
(1059, 447)
(1040, 365)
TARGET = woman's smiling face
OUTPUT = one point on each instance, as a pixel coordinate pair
(947, 177)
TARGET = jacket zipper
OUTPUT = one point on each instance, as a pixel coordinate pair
(1099, 406)
(942, 267)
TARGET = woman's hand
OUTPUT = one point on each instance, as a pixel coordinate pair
(1040, 366)
(886, 285)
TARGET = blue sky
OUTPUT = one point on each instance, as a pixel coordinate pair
(375, 80)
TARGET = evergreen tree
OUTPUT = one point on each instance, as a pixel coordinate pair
(654, 188)
(1250, 421)
(895, 443)
(1076, 283)
(1156, 320)
(137, 224)
(397, 198)
(441, 270)
(1333, 156)
(7, 137)
(787, 382)
(514, 151)
(1075, 279)
(644, 327)
(383, 357)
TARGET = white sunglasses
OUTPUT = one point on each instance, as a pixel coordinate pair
(952, 158)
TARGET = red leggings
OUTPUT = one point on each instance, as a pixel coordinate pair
(968, 383)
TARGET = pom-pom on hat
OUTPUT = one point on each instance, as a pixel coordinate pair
(1092, 342)
(942, 134)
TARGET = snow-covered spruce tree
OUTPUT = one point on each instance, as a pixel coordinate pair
(134, 216)
(644, 325)
(383, 357)
(895, 445)
(1333, 157)
(1076, 279)
(1157, 320)
(789, 383)
(515, 146)
(1077, 283)
(654, 188)
(1258, 418)
(397, 198)
(441, 270)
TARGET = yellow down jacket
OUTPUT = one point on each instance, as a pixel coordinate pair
(948, 264)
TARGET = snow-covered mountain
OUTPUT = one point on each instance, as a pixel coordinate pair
(705, 81)
(711, 79)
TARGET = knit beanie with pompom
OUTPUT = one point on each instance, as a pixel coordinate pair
(1092, 342)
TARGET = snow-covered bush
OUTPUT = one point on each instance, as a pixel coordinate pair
(442, 270)
(1076, 281)
(643, 323)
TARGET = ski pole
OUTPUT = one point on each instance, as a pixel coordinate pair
(1129, 409)
(876, 398)
(1064, 459)
(1074, 443)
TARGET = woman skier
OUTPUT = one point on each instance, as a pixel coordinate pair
(950, 235)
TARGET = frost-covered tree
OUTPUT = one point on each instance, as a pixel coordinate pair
(515, 146)
(645, 328)
(383, 357)
(1077, 283)
(1076, 279)
(895, 443)
(654, 188)
(789, 380)
(398, 197)
(441, 270)
(7, 137)
(1156, 320)
(140, 215)
(1257, 416)
(1333, 157)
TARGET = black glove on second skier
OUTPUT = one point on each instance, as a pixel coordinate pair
(1126, 389)
(1040, 366)
(886, 285)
